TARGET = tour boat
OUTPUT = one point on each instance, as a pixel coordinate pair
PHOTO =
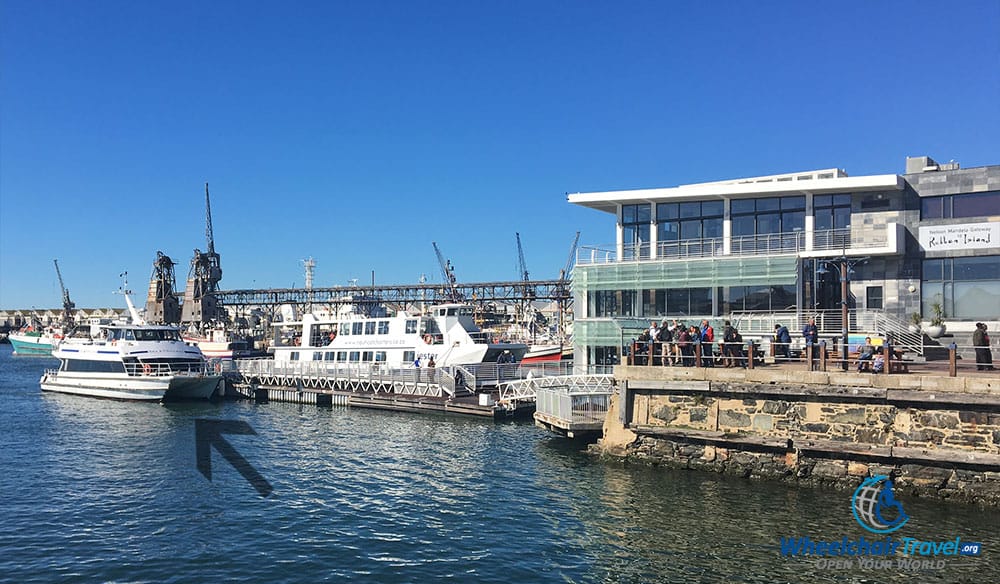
(133, 361)
(446, 333)
(218, 344)
(547, 353)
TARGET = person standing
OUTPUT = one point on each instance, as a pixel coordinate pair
(981, 341)
(782, 341)
(430, 369)
(811, 335)
(707, 343)
(416, 368)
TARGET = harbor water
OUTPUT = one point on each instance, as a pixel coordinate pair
(96, 490)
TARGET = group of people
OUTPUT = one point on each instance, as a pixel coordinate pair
(675, 344)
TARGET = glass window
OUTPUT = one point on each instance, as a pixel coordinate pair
(354, 356)
(711, 228)
(367, 356)
(976, 205)
(345, 328)
(668, 231)
(317, 356)
(689, 210)
(793, 203)
(742, 206)
(873, 297)
(411, 327)
(383, 327)
(976, 268)
(770, 204)
(341, 355)
(356, 328)
(691, 229)
(380, 356)
(743, 225)
(967, 288)
(712, 208)
(329, 355)
(793, 221)
(370, 327)
(667, 211)
(294, 356)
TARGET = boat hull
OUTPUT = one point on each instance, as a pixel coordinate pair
(175, 388)
(30, 344)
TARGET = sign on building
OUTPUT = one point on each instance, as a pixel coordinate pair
(960, 236)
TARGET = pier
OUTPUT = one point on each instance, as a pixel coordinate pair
(498, 391)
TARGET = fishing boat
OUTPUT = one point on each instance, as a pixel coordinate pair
(32, 340)
(134, 361)
(446, 333)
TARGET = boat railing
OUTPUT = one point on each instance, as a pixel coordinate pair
(164, 369)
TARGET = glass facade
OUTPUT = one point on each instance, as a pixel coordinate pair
(635, 231)
(967, 288)
(958, 206)
(768, 216)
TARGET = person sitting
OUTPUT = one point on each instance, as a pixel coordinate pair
(865, 355)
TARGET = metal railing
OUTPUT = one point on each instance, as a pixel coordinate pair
(573, 409)
(164, 369)
(793, 242)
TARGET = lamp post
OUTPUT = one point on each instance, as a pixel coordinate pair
(845, 266)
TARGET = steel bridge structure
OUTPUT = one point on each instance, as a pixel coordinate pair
(402, 296)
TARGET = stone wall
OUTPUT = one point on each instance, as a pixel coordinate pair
(942, 443)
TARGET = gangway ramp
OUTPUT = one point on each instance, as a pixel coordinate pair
(571, 405)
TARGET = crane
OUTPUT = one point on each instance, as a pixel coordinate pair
(68, 304)
(449, 274)
(572, 256)
(520, 258)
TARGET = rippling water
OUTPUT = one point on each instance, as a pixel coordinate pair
(96, 490)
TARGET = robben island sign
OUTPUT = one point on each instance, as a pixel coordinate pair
(960, 236)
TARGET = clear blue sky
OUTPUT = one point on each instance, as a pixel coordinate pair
(359, 132)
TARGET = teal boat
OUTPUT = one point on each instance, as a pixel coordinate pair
(31, 342)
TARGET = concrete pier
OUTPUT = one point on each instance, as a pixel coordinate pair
(937, 436)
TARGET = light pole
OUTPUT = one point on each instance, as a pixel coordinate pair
(845, 266)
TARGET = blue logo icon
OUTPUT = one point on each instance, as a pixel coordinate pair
(876, 508)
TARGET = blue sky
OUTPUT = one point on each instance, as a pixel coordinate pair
(359, 132)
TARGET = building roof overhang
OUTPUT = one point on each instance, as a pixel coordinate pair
(750, 188)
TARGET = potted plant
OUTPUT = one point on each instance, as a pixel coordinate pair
(937, 327)
(915, 320)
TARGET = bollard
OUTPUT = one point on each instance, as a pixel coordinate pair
(751, 349)
(888, 359)
(822, 355)
(697, 354)
(952, 360)
(809, 356)
(650, 352)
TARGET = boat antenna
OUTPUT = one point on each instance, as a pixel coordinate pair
(136, 319)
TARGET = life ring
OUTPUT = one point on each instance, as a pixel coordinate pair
(428, 339)
(146, 369)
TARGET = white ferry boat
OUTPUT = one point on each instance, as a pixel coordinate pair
(131, 362)
(446, 333)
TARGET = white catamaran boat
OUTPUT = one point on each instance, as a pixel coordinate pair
(447, 333)
(131, 362)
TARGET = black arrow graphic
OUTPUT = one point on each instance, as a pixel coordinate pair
(208, 433)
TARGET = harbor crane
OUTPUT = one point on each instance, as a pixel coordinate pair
(200, 302)
(448, 271)
(68, 304)
(523, 268)
(563, 273)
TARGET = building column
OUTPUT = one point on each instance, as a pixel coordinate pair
(810, 222)
(727, 229)
(652, 233)
(619, 234)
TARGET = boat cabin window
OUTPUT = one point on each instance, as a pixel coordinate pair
(293, 356)
(356, 328)
(317, 356)
(367, 356)
(341, 355)
(345, 328)
(380, 356)
(113, 334)
(129, 335)
(409, 356)
(411, 328)
(370, 327)
(383, 327)
(155, 335)
(329, 355)
(355, 356)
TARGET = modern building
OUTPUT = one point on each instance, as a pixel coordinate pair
(776, 249)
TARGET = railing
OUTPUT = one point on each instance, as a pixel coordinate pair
(830, 323)
(164, 369)
(573, 409)
(526, 389)
(793, 242)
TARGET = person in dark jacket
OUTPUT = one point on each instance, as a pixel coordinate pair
(811, 335)
(981, 341)
(782, 341)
